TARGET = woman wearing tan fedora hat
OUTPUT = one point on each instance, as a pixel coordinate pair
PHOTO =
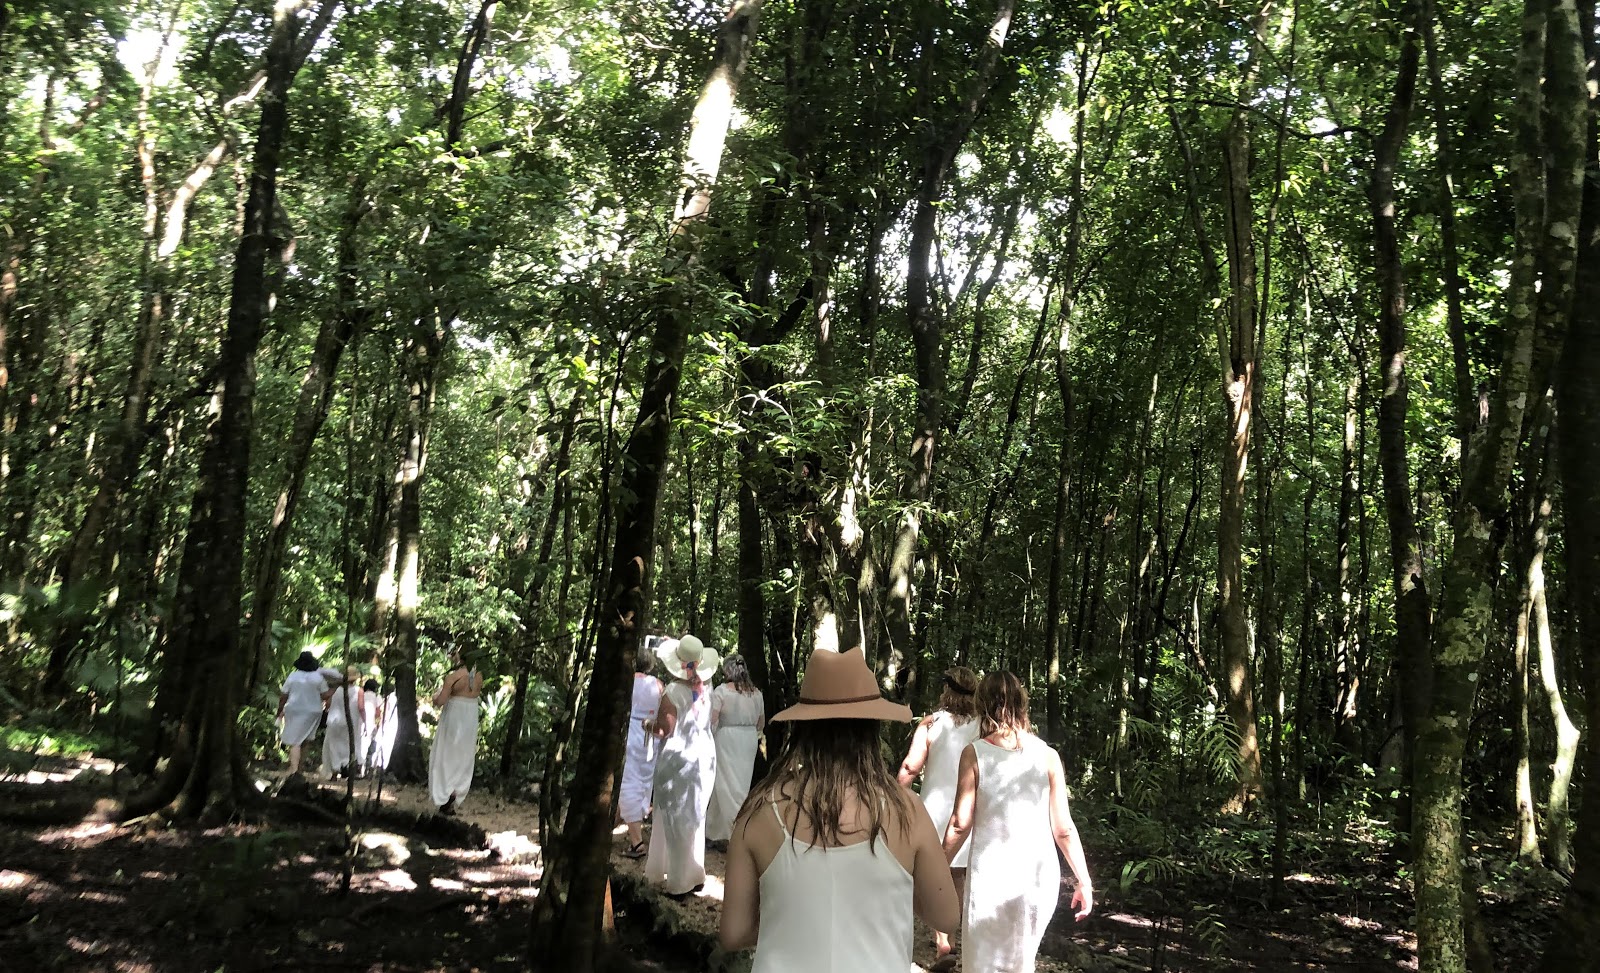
(830, 858)
(686, 767)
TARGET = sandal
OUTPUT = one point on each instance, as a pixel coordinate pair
(635, 850)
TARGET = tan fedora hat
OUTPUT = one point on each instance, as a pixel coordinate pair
(839, 686)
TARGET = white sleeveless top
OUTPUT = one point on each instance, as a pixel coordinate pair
(946, 740)
(834, 910)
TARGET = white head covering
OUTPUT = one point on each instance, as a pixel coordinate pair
(686, 656)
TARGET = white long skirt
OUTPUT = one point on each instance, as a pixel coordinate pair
(736, 760)
(638, 774)
(300, 725)
(455, 749)
(336, 745)
(683, 783)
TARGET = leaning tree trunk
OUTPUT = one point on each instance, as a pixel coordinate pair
(1549, 118)
(204, 776)
(567, 915)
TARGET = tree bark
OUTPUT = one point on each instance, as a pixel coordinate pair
(566, 919)
(1549, 118)
(205, 775)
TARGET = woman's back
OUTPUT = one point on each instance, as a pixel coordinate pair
(841, 909)
(736, 708)
(304, 690)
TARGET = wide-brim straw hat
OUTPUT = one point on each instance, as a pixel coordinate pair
(840, 686)
(677, 655)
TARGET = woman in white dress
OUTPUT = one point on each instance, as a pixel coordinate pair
(738, 715)
(346, 725)
(300, 706)
(388, 729)
(455, 742)
(1011, 800)
(685, 768)
(831, 861)
(639, 762)
(936, 755)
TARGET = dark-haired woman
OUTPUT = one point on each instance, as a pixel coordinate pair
(300, 706)
(1012, 800)
(935, 753)
(830, 858)
(639, 759)
(738, 714)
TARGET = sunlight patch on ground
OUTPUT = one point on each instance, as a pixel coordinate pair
(1306, 879)
(77, 832)
(396, 878)
(11, 880)
(1127, 920)
(448, 884)
(1356, 922)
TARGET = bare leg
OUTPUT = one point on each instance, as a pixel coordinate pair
(635, 832)
(294, 760)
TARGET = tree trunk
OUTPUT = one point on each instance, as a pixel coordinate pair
(927, 332)
(1574, 942)
(204, 776)
(566, 919)
(1549, 119)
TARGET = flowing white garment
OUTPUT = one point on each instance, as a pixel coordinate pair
(302, 711)
(685, 773)
(336, 738)
(455, 748)
(946, 740)
(1014, 878)
(639, 764)
(737, 736)
(389, 726)
(369, 729)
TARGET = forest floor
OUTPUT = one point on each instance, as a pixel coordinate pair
(424, 896)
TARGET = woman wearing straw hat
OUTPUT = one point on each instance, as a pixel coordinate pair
(738, 714)
(831, 858)
(935, 754)
(685, 768)
(1011, 799)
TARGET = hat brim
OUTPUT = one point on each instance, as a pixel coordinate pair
(872, 709)
(707, 667)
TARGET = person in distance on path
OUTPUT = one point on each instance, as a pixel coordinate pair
(455, 742)
(686, 768)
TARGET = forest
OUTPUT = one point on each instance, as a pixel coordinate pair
(1229, 370)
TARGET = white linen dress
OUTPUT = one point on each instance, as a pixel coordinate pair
(1014, 878)
(455, 748)
(738, 716)
(946, 740)
(686, 771)
(639, 763)
(834, 910)
(302, 711)
(336, 738)
(388, 728)
(369, 729)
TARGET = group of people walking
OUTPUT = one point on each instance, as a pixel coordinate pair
(832, 856)
(360, 724)
(690, 753)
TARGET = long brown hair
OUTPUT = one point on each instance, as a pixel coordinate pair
(823, 762)
(736, 674)
(957, 696)
(1002, 703)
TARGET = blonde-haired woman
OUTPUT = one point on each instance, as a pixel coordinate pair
(738, 715)
(830, 859)
(935, 754)
(1011, 799)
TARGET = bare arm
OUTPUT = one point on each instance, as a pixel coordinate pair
(917, 756)
(666, 718)
(955, 835)
(1066, 834)
(444, 690)
(283, 700)
(716, 707)
(934, 888)
(741, 893)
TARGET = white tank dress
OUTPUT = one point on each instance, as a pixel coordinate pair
(639, 762)
(455, 748)
(1014, 876)
(834, 910)
(738, 716)
(302, 711)
(946, 740)
(686, 770)
(336, 737)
